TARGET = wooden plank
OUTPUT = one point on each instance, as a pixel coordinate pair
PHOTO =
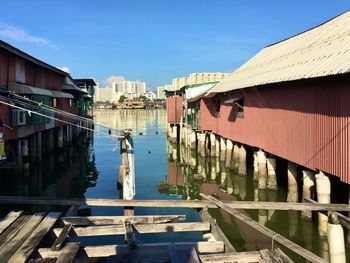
(266, 231)
(61, 239)
(130, 238)
(172, 203)
(30, 243)
(72, 211)
(343, 220)
(242, 257)
(103, 202)
(68, 253)
(8, 220)
(13, 229)
(216, 231)
(140, 228)
(142, 249)
(116, 220)
(9, 248)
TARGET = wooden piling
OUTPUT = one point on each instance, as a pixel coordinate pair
(212, 144)
(308, 191)
(255, 165)
(222, 149)
(235, 163)
(323, 188)
(229, 147)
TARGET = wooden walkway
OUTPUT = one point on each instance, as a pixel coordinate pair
(21, 235)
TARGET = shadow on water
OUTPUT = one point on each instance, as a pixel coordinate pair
(189, 174)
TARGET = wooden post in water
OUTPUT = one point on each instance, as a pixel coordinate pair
(128, 171)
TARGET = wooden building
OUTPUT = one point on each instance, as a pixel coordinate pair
(291, 100)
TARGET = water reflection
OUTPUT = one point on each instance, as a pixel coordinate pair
(189, 174)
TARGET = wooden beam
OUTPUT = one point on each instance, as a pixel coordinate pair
(242, 257)
(266, 231)
(216, 231)
(343, 220)
(103, 202)
(72, 211)
(68, 253)
(7, 249)
(8, 220)
(35, 237)
(140, 228)
(118, 220)
(130, 238)
(60, 240)
(172, 203)
(142, 249)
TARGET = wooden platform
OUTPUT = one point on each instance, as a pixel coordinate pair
(21, 235)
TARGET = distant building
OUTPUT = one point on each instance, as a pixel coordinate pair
(160, 91)
(199, 78)
(149, 95)
(131, 89)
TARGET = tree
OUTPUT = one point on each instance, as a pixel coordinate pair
(122, 98)
(143, 98)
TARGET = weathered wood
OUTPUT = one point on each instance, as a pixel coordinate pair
(266, 231)
(216, 231)
(61, 239)
(140, 228)
(13, 229)
(9, 248)
(193, 257)
(42, 260)
(172, 203)
(72, 211)
(142, 249)
(33, 240)
(242, 257)
(68, 253)
(343, 220)
(130, 238)
(103, 202)
(8, 220)
(116, 220)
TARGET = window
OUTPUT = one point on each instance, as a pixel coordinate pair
(240, 108)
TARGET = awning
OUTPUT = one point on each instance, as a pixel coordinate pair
(28, 90)
(60, 94)
(87, 97)
(195, 93)
(70, 87)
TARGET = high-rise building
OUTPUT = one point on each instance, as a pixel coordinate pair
(198, 78)
(161, 89)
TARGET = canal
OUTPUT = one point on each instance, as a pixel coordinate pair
(163, 171)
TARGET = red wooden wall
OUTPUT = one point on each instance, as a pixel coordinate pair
(174, 108)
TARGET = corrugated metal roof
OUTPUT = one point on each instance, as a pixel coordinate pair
(318, 52)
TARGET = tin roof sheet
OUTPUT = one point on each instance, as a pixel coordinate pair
(319, 52)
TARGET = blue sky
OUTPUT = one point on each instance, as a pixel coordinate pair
(155, 40)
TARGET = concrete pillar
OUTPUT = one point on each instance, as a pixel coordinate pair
(212, 145)
(217, 146)
(174, 153)
(262, 176)
(242, 168)
(201, 144)
(19, 152)
(262, 214)
(323, 188)
(308, 191)
(235, 163)
(242, 184)
(292, 175)
(222, 149)
(271, 197)
(229, 184)
(173, 135)
(255, 165)
(60, 137)
(271, 173)
(293, 223)
(193, 140)
(336, 242)
(213, 171)
(39, 146)
(229, 147)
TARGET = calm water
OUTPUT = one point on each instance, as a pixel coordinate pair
(163, 171)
